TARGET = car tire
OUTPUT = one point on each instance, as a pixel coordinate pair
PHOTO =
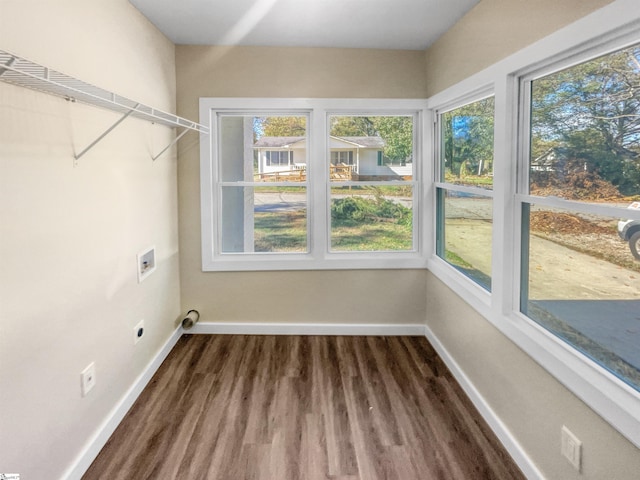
(634, 245)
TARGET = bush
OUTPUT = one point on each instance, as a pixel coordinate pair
(572, 181)
(356, 209)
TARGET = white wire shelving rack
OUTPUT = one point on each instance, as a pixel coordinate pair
(25, 73)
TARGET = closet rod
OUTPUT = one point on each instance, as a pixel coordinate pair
(25, 73)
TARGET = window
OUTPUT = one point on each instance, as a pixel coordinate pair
(342, 157)
(464, 189)
(261, 210)
(372, 205)
(561, 200)
(278, 158)
(579, 280)
(296, 184)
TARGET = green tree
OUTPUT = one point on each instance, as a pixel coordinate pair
(395, 131)
(283, 126)
(344, 126)
(590, 115)
(467, 138)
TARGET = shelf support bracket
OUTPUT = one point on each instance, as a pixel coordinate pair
(175, 140)
(107, 132)
(8, 64)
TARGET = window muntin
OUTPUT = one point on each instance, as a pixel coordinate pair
(578, 278)
(371, 202)
(235, 177)
(464, 197)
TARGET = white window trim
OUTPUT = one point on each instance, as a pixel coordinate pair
(319, 256)
(471, 97)
(614, 26)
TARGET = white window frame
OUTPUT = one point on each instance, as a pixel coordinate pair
(269, 160)
(319, 255)
(615, 26)
(440, 184)
(338, 157)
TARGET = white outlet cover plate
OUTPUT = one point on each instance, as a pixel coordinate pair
(136, 337)
(88, 379)
(571, 448)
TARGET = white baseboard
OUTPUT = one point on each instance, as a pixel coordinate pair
(307, 329)
(106, 429)
(499, 428)
(100, 438)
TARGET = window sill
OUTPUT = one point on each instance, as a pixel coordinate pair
(614, 400)
(336, 261)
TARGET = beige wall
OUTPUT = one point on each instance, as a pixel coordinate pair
(530, 402)
(365, 296)
(69, 235)
(494, 29)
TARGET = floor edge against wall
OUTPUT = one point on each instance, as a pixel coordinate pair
(106, 429)
(509, 442)
(92, 448)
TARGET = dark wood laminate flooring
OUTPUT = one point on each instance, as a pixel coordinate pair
(303, 407)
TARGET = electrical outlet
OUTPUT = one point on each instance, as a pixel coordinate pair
(571, 448)
(88, 379)
(138, 332)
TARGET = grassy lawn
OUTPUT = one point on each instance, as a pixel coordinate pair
(280, 231)
(287, 232)
(469, 270)
(368, 237)
(383, 190)
(475, 180)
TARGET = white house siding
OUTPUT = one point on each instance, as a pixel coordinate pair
(367, 160)
(386, 170)
(299, 158)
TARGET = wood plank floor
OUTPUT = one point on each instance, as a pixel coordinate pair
(303, 407)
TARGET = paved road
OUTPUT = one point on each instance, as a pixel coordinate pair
(556, 272)
(287, 201)
(599, 299)
(279, 202)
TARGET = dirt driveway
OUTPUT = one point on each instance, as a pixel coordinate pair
(556, 272)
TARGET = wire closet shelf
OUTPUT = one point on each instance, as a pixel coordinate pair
(25, 73)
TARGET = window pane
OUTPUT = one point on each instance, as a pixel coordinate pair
(264, 219)
(466, 144)
(263, 149)
(372, 219)
(580, 282)
(585, 130)
(373, 148)
(465, 234)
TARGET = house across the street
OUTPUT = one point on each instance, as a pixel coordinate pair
(351, 158)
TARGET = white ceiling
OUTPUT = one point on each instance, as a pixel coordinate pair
(397, 24)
